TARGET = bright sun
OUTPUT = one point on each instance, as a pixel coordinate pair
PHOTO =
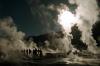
(66, 19)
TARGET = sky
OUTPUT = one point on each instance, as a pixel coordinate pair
(20, 12)
(24, 17)
(27, 20)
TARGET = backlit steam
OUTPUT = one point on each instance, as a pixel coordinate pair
(85, 17)
(87, 9)
(11, 41)
(67, 19)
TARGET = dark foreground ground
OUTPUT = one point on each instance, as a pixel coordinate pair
(40, 64)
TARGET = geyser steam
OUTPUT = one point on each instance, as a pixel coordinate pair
(67, 19)
(11, 41)
(86, 15)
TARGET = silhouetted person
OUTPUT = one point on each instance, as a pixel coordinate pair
(41, 53)
(26, 51)
(29, 51)
(34, 52)
(38, 52)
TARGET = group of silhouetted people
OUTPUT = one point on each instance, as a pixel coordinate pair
(32, 52)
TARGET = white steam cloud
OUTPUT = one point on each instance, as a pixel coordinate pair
(11, 41)
(88, 12)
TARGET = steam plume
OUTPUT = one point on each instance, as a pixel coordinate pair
(88, 11)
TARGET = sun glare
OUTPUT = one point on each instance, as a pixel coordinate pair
(66, 18)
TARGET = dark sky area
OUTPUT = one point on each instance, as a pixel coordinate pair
(19, 11)
(23, 17)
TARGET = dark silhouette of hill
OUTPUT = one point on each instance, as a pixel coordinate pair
(39, 40)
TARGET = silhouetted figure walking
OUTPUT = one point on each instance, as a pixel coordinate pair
(41, 53)
(35, 52)
(26, 52)
(29, 51)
